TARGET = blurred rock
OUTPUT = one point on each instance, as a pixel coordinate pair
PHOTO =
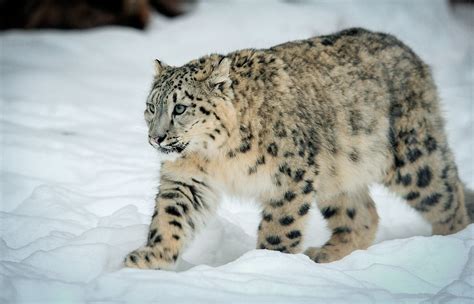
(173, 8)
(82, 14)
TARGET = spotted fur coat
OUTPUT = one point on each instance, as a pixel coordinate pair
(305, 124)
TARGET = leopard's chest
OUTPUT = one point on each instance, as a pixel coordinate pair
(243, 176)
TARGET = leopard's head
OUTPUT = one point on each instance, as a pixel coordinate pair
(189, 108)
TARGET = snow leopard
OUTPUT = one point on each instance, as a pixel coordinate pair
(305, 124)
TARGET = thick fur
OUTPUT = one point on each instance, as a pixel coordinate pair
(317, 119)
(469, 201)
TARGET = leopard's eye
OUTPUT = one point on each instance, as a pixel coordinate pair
(151, 108)
(179, 109)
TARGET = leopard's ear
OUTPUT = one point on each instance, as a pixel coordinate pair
(159, 67)
(219, 77)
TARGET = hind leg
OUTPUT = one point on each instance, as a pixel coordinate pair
(423, 171)
(284, 218)
(353, 220)
(425, 175)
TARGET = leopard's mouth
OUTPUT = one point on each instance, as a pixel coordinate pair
(176, 147)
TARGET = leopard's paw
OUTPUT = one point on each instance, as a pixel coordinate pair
(148, 257)
(324, 254)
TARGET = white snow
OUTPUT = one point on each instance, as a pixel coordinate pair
(78, 176)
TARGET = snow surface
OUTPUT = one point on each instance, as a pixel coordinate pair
(78, 176)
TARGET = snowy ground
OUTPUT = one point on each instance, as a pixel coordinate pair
(78, 176)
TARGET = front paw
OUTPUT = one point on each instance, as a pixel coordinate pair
(148, 257)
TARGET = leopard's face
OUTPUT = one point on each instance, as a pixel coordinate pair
(189, 108)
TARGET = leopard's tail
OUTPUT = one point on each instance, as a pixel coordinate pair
(469, 203)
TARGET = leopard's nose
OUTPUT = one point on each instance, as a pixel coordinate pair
(158, 139)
